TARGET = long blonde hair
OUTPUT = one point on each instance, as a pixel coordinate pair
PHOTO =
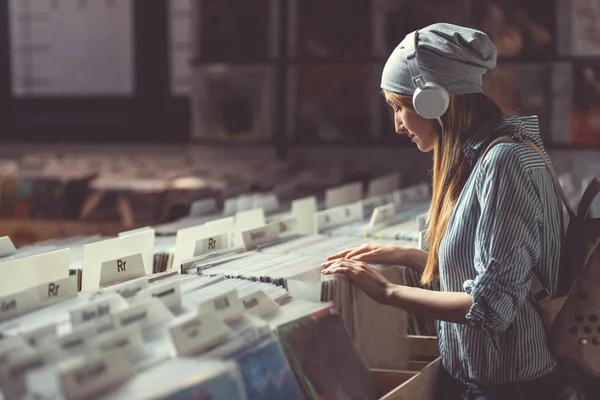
(450, 165)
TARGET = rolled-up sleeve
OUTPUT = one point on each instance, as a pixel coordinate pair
(507, 241)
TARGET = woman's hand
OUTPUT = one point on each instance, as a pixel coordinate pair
(373, 253)
(370, 280)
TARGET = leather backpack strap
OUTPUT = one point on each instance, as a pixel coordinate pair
(538, 291)
(588, 197)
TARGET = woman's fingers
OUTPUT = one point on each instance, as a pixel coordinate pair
(365, 257)
(341, 254)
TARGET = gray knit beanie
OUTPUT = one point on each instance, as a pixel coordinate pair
(449, 55)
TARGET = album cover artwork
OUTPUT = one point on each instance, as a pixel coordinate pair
(397, 18)
(266, 372)
(585, 123)
(522, 88)
(236, 30)
(517, 27)
(332, 104)
(232, 102)
(331, 29)
(325, 359)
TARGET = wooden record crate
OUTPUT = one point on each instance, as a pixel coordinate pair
(419, 381)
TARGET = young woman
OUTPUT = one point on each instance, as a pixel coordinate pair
(492, 222)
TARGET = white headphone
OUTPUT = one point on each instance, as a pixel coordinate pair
(430, 100)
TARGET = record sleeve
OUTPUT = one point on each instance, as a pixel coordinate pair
(233, 102)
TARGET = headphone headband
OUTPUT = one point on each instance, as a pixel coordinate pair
(430, 100)
(413, 64)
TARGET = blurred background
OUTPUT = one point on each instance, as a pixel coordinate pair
(121, 113)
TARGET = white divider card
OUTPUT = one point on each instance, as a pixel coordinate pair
(422, 244)
(22, 273)
(259, 304)
(149, 312)
(134, 231)
(403, 198)
(342, 195)
(185, 242)
(304, 211)
(286, 226)
(124, 340)
(116, 259)
(168, 293)
(84, 379)
(267, 201)
(121, 270)
(306, 286)
(337, 216)
(207, 244)
(381, 215)
(224, 306)
(129, 290)
(258, 236)
(230, 207)
(140, 242)
(246, 220)
(203, 207)
(194, 334)
(422, 221)
(370, 204)
(13, 373)
(12, 348)
(7, 248)
(245, 202)
(37, 337)
(222, 225)
(384, 184)
(99, 310)
(78, 339)
(421, 192)
(23, 302)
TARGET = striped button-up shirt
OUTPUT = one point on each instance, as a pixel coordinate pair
(507, 223)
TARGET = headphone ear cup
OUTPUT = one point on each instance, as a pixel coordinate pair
(432, 101)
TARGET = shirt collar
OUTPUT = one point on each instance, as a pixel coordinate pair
(487, 133)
